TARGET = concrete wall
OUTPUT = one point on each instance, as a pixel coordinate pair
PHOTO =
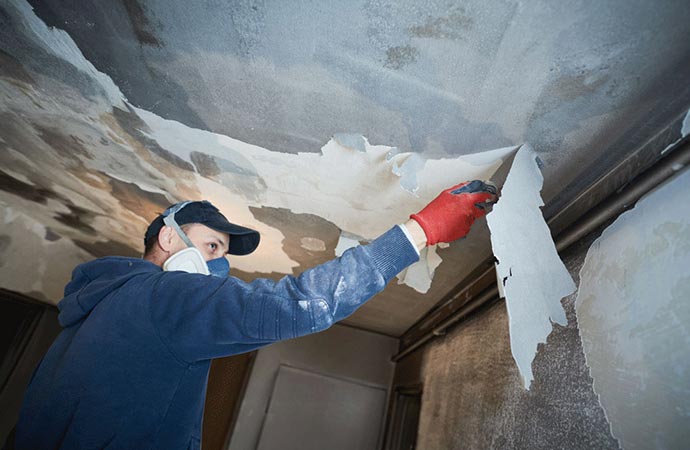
(341, 351)
(473, 396)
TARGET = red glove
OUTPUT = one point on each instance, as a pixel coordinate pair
(450, 215)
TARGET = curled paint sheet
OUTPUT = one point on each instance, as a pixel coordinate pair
(529, 270)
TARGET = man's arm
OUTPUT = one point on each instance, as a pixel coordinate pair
(200, 317)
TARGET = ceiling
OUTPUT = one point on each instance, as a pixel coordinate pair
(111, 110)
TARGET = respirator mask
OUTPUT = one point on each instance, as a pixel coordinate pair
(190, 259)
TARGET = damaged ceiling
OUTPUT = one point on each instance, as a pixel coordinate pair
(316, 122)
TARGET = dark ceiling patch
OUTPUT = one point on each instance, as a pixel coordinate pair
(233, 163)
(24, 190)
(571, 86)
(132, 124)
(10, 67)
(100, 249)
(78, 218)
(399, 57)
(449, 27)
(234, 172)
(51, 235)
(140, 23)
(142, 203)
(205, 164)
(301, 232)
(69, 147)
(5, 242)
(38, 295)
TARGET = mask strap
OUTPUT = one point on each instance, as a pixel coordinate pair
(169, 220)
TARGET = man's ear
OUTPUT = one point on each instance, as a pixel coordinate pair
(166, 238)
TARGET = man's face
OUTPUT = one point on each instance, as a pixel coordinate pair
(211, 243)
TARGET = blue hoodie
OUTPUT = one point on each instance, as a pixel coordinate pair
(129, 369)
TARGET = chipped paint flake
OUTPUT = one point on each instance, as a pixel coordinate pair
(418, 276)
(529, 269)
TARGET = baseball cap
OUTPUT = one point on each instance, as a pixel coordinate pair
(243, 240)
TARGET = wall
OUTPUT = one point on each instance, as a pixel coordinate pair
(627, 328)
(473, 396)
(341, 351)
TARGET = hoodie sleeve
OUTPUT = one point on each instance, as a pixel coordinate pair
(202, 317)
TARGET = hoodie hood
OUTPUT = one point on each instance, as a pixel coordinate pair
(93, 281)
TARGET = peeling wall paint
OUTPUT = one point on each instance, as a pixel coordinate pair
(634, 316)
(529, 270)
(93, 171)
(363, 189)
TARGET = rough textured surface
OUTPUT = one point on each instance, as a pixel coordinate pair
(473, 397)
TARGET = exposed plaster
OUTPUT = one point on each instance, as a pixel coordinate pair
(529, 270)
(633, 314)
(363, 189)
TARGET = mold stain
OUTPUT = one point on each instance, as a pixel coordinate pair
(51, 236)
(24, 190)
(78, 218)
(100, 249)
(68, 147)
(570, 87)
(451, 26)
(140, 23)
(12, 69)
(142, 203)
(401, 56)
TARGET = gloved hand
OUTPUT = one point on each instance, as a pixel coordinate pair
(450, 215)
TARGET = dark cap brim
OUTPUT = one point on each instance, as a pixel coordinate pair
(243, 240)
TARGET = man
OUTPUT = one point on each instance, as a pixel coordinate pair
(129, 368)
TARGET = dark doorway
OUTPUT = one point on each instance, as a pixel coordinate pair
(404, 421)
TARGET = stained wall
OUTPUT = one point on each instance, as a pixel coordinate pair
(473, 396)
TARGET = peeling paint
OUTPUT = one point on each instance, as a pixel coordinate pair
(345, 241)
(684, 131)
(362, 192)
(529, 269)
(59, 43)
(633, 314)
(419, 275)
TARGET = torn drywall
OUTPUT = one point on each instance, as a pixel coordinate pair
(633, 313)
(529, 269)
